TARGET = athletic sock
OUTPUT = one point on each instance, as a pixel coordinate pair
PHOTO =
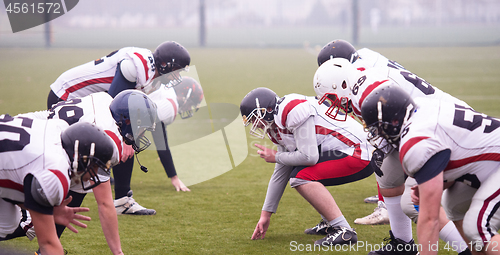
(340, 221)
(450, 235)
(400, 223)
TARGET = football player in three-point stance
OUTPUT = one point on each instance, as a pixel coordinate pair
(344, 80)
(126, 68)
(443, 145)
(93, 109)
(313, 152)
(39, 160)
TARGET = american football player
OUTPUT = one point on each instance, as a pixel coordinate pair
(313, 152)
(39, 161)
(344, 82)
(443, 145)
(92, 109)
(183, 99)
(127, 68)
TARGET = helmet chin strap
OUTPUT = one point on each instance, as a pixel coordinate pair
(143, 168)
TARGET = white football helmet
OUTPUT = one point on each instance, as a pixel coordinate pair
(333, 81)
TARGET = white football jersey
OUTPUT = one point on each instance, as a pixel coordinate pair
(166, 101)
(472, 137)
(345, 136)
(97, 75)
(369, 58)
(93, 109)
(33, 146)
(370, 78)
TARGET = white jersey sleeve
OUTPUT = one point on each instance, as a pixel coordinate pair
(92, 109)
(293, 110)
(369, 58)
(346, 136)
(97, 75)
(33, 146)
(144, 64)
(437, 125)
(166, 101)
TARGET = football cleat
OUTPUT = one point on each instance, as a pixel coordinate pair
(323, 228)
(380, 216)
(127, 205)
(396, 246)
(371, 200)
(339, 236)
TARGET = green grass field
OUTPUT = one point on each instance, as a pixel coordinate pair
(219, 215)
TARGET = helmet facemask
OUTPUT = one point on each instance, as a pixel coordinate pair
(258, 119)
(174, 77)
(390, 132)
(339, 108)
(83, 164)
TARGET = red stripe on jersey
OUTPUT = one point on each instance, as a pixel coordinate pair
(288, 108)
(144, 63)
(63, 181)
(11, 185)
(84, 84)
(361, 69)
(325, 131)
(369, 90)
(117, 141)
(486, 203)
(407, 146)
(333, 169)
(173, 105)
(482, 157)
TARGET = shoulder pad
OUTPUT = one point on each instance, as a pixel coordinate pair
(128, 70)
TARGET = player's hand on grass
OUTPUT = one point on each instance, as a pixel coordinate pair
(64, 215)
(269, 155)
(262, 225)
(178, 184)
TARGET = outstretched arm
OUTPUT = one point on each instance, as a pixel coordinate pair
(45, 229)
(107, 215)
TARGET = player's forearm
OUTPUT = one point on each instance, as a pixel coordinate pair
(107, 216)
(109, 225)
(306, 153)
(276, 187)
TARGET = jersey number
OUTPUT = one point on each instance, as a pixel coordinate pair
(477, 120)
(24, 137)
(69, 112)
(418, 82)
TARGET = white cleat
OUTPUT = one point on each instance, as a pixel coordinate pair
(380, 216)
(127, 205)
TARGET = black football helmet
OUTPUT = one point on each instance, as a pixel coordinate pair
(258, 108)
(171, 58)
(89, 150)
(189, 96)
(337, 49)
(134, 113)
(384, 111)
